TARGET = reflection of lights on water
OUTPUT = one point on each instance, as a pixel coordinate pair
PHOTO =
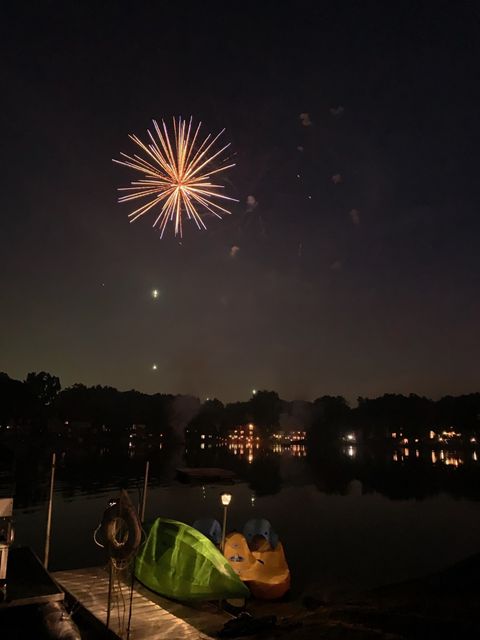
(248, 448)
(453, 461)
(204, 492)
(448, 459)
(298, 450)
(155, 293)
(252, 499)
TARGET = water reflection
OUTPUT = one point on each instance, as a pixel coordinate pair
(325, 492)
(350, 451)
(435, 456)
(267, 467)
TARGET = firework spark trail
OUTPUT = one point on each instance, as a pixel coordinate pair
(176, 176)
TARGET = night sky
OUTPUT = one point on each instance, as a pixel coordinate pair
(357, 268)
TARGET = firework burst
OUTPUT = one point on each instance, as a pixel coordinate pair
(177, 176)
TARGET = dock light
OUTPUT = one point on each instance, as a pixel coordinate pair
(155, 294)
(226, 499)
(254, 392)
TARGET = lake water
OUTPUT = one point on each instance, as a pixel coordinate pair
(349, 518)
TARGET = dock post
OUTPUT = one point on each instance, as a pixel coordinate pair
(49, 513)
(144, 496)
(110, 584)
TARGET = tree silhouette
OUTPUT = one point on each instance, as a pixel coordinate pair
(265, 407)
(43, 386)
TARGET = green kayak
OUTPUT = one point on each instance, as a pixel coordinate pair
(179, 562)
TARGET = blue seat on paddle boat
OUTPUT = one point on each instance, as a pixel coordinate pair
(210, 528)
(260, 527)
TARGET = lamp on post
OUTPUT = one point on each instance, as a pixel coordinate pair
(226, 498)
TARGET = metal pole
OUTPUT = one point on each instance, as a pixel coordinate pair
(224, 529)
(131, 600)
(49, 513)
(144, 496)
(110, 582)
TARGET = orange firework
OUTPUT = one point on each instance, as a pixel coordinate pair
(176, 176)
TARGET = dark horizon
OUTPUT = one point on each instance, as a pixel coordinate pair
(356, 268)
(352, 402)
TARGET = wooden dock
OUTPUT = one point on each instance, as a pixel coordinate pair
(153, 617)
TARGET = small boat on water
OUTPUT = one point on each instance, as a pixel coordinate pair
(179, 562)
(258, 558)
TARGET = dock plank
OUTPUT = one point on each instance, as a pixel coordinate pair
(152, 616)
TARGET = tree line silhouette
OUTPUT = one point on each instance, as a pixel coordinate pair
(39, 400)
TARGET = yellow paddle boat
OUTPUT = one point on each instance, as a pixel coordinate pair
(259, 560)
